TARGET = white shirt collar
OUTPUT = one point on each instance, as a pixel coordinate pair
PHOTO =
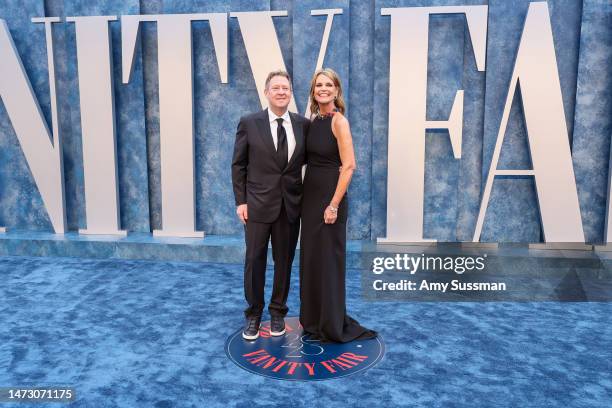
(272, 116)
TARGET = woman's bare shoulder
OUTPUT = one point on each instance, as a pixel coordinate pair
(339, 121)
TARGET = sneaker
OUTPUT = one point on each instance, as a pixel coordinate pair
(251, 328)
(277, 326)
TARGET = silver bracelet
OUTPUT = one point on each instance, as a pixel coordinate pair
(333, 209)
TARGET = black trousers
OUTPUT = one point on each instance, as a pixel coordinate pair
(284, 236)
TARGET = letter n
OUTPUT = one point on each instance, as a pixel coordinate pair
(42, 150)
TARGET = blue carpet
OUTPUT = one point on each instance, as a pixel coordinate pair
(151, 334)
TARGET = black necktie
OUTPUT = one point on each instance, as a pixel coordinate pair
(282, 152)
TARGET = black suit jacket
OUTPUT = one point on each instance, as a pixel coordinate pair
(258, 179)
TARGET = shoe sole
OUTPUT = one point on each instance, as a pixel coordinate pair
(276, 334)
(253, 337)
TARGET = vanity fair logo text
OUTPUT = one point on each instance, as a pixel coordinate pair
(535, 67)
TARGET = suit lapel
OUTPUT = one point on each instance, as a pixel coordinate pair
(299, 137)
(263, 124)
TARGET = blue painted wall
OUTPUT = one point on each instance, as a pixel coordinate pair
(359, 52)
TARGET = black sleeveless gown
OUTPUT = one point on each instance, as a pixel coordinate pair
(323, 246)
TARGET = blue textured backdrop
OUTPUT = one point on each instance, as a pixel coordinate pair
(359, 51)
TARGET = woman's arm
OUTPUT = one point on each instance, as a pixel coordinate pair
(342, 132)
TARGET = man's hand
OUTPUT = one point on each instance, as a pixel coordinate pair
(242, 212)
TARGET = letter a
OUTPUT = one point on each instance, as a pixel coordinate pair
(536, 71)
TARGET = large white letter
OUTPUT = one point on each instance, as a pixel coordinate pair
(95, 65)
(44, 156)
(257, 28)
(407, 112)
(330, 13)
(536, 71)
(176, 108)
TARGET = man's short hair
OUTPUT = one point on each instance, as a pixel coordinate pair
(279, 72)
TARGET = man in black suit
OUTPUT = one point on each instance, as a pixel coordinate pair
(267, 179)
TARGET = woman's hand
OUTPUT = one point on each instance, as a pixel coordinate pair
(330, 215)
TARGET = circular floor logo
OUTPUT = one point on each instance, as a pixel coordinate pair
(294, 356)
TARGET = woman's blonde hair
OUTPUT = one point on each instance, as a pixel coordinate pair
(331, 74)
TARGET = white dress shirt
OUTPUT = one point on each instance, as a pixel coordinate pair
(288, 130)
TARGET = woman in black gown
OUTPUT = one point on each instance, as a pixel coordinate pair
(329, 147)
